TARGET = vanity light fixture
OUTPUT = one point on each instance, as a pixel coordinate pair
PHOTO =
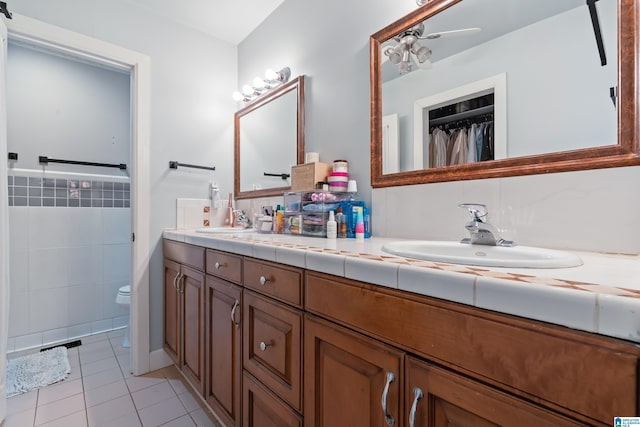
(272, 79)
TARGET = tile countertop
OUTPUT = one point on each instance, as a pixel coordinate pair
(601, 296)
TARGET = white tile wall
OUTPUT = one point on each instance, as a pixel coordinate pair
(66, 267)
(593, 210)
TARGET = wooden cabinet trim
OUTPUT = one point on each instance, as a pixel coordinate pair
(260, 402)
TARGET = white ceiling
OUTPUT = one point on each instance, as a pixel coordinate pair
(228, 20)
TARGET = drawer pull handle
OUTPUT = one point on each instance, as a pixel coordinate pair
(263, 280)
(265, 345)
(175, 281)
(218, 266)
(233, 313)
(385, 393)
(417, 393)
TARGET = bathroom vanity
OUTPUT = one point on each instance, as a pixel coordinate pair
(300, 332)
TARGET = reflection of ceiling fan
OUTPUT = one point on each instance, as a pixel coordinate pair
(408, 44)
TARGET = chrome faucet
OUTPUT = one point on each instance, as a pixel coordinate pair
(481, 232)
(242, 219)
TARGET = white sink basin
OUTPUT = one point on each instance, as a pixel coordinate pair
(482, 255)
(225, 230)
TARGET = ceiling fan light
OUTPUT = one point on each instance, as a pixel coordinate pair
(404, 67)
(395, 55)
(422, 54)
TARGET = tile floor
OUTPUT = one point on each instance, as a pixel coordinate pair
(102, 392)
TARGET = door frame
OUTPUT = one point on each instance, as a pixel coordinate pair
(79, 46)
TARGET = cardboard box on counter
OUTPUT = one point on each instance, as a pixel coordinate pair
(304, 177)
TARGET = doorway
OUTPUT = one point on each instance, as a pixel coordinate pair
(86, 49)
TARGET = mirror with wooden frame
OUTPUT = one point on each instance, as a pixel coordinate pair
(268, 140)
(553, 96)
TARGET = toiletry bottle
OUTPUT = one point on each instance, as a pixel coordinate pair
(280, 219)
(332, 226)
(229, 218)
(341, 223)
(359, 223)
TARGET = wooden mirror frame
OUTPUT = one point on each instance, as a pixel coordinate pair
(296, 84)
(625, 153)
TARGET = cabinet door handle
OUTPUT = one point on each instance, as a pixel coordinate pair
(181, 283)
(218, 266)
(233, 313)
(263, 280)
(265, 345)
(175, 281)
(385, 393)
(417, 395)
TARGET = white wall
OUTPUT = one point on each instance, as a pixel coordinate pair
(192, 77)
(66, 109)
(328, 41)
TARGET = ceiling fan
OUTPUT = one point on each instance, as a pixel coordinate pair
(408, 43)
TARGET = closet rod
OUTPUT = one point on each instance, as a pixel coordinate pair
(463, 115)
(46, 160)
(174, 165)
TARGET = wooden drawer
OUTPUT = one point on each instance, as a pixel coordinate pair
(275, 280)
(262, 408)
(224, 265)
(272, 334)
(185, 254)
(538, 361)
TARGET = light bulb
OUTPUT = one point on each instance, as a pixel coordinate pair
(237, 96)
(269, 74)
(248, 90)
(258, 83)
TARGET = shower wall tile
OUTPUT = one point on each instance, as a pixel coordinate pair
(85, 266)
(19, 270)
(116, 226)
(19, 228)
(78, 331)
(28, 341)
(85, 304)
(101, 326)
(48, 309)
(52, 268)
(19, 314)
(55, 335)
(116, 263)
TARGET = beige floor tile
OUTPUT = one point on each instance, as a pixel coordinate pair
(184, 421)
(59, 391)
(22, 402)
(110, 411)
(162, 412)
(102, 378)
(58, 409)
(128, 420)
(189, 401)
(77, 419)
(105, 393)
(144, 381)
(99, 366)
(151, 395)
(21, 418)
(94, 338)
(203, 418)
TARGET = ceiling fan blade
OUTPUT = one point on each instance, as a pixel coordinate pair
(452, 33)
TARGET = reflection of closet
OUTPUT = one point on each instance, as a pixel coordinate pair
(461, 132)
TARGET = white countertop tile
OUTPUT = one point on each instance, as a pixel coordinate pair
(601, 296)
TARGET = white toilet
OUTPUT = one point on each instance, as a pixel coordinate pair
(124, 299)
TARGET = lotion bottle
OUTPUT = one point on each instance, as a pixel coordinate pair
(332, 226)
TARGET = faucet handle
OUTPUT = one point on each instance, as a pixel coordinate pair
(477, 211)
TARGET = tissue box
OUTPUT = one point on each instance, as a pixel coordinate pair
(304, 177)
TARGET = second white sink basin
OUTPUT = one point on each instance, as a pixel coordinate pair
(483, 255)
(225, 230)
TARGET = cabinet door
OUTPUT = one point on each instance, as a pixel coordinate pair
(172, 310)
(262, 409)
(439, 398)
(350, 380)
(272, 346)
(223, 349)
(192, 290)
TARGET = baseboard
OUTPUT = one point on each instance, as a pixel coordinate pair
(159, 359)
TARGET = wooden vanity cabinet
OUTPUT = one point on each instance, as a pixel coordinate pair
(272, 343)
(184, 282)
(570, 375)
(350, 379)
(223, 386)
(437, 397)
